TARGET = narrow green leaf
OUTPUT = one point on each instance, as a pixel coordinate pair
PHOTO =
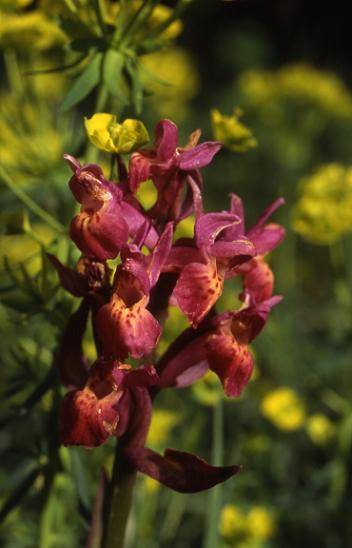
(18, 493)
(137, 86)
(114, 62)
(84, 84)
(59, 68)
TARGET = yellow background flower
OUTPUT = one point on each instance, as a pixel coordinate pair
(323, 213)
(107, 134)
(320, 429)
(230, 131)
(284, 409)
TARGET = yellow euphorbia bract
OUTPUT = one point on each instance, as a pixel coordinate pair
(300, 84)
(230, 131)
(29, 30)
(108, 135)
(323, 213)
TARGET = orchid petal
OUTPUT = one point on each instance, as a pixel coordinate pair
(199, 156)
(139, 169)
(166, 137)
(70, 280)
(236, 208)
(89, 416)
(197, 195)
(178, 470)
(135, 220)
(208, 227)
(126, 329)
(140, 417)
(238, 250)
(160, 254)
(87, 420)
(231, 361)
(180, 256)
(267, 238)
(100, 235)
(144, 376)
(251, 320)
(267, 214)
(258, 279)
(186, 365)
(74, 164)
(197, 290)
(132, 275)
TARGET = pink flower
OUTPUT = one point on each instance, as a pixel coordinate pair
(221, 249)
(125, 325)
(93, 413)
(222, 343)
(106, 219)
(168, 165)
(112, 398)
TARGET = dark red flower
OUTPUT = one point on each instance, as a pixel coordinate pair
(125, 325)
(168, 165)
(91, 414)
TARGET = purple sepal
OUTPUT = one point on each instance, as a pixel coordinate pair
(70, 280)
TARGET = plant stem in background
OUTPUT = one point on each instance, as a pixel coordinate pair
(211, 536)
(31, 204)
(119, 500)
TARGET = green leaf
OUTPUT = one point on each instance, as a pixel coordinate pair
(18, 493)
(114, 62)
(137, 86)
(84, 84)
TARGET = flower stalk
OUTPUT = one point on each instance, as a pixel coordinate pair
(212, 537)
(119, 500)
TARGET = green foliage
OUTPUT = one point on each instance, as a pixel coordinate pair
(48, 491)
(84, 84)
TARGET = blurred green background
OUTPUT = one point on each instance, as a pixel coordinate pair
(286, 65)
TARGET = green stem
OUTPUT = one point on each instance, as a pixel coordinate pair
(29, 203)
(120, 500)
(102, 97)
(139, 17)
(211, 537)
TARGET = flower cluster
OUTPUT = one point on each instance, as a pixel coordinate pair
(322, 214)
(128, 306)
(297, 83)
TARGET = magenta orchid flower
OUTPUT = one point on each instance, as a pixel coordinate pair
(220, 246)
(125, 325)
(106, 220)
(222, 343)
(98, 410)
(168, 166)
(127, 308)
